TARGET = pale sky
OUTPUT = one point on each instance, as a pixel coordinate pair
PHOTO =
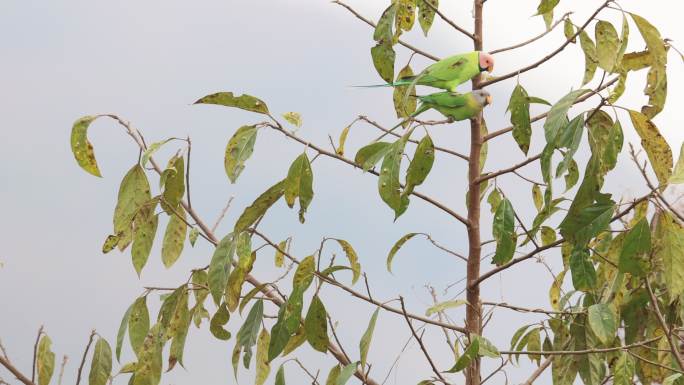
(148, 61)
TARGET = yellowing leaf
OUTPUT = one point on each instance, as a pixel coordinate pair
(295, 118)
(174, 184)
(426, 13)
(396, 248)
(555, 291)
(138, 324)
(444, 306)
(174, 238)
(607, 45)
(279, 256)
(134, 192)
(383, 59)
(145, 224)
(45, 360)
(299, 184)
(149, 368)
(388, 182)
(404, 103)
(343, 139)
(657, 149)
(101, 365)
(352, 257)
(519, 107)
(304, 274)
(677, 176)
(263, 368)
(669, 248)
(537, 197)
(219, 267)
(316, 325)
(406, 14)
(220, 318)
(245, 102)
(81, 146)
(239, 149)
(590, 57)
(259, 207)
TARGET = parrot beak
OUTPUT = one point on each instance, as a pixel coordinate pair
(489, 99)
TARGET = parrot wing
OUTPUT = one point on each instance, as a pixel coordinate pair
(446, 99)
(450, 68)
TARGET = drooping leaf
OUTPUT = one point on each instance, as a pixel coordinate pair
(219, 267)
(546, 6)
(295, 118)
(426, 14)
(151, 149)
(145, 223)
(383, 59)
(303, 276)
(519, 107)
(263, 367)
(333, 374)
(101, 365)
(368, 156)
(579, 227)
(570, 138)
(607, 45)
(110, 243)
(81, 146)
(138, 324)
(353, 259)
(247, 335)
(45, 360)
(569, 29)
(237, 277)
(494, 199)
(420, 165)
(280, 375)
(343, 139)
(656, 88)
(485, 347)
(279, 256)
(396, 248)
(299, 184)
(316, 326)
(657, 149)
(388, 182)
(259, 207)
(134, 192)
(406, 14)
(239, 149)
(365, 342)
(556, 118)
(439, 307)
(669, 248)
(180, 324)
(583, 272)
(537, 197)
(295, 341)
(503, 229)
(555, 291)
(590, 57)
(548, 235)
(469, 354)
(602, 321)
(174, 238)
(192, 236)
(636, 244)
(174, 184)
(404, 103)
(346, 373)
(122, 331)
(245, 102)
(149, 368)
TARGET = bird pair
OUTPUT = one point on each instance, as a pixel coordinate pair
(448, 74)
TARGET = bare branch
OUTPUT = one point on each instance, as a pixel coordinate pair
(360, 17)
(532, 40)
(420, 342)
(65, 358)
(513, 168)
(223, 214)
(544, 365)
(449, 21)
(668, 332)
(35, 353)
(529, 310)
(85, 354)
(21, 377)
(551, 55)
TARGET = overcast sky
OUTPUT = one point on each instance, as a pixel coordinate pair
(149, 60)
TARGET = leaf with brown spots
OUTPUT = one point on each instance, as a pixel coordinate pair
(426, 14)
(81, 146)
(657, 149)
(244, 102)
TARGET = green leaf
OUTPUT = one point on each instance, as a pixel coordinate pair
(439, 307)
(45, 360)
(420, 165)
(677, 176)
(353, 259)
(537, 197)
(149, 368)
(516, 336)
(262, 362)
(583, 272)
(657, 149)
(548, 235)
(388, 182)
(174, 184)
(219, 267)
(280, 375)
(295, 118)
(247, 335)
(245, 102)
(485, 348)
(151, 149)
(590, 57)
(396, 248)
(174, 238)
(128, 368)
(636, 244)
(580, 227)
(122, 331)
(303, 276)
(669, 248)
(81, 146)
(383, 29)
(248, 297)
(469, 354)
(180, 324)
(316, 326)
(404, 103)
(383, 59)
(669, 380)
(239, 149)
(426, 14)
(556, 118)
(365, 342)
(602, 321)
(569, 29)
(295, 341)
(624, 370)
(299, 183)
(368, 156)
(519, 106)
(572, 176)
(134, 192)
(101, 366)
(546, 6)
(192, 236)
(280, 335)
(259, 207)
(333, 374)
(220, 318)
(494, 199)
(145, 224)
(110, 243)
(346, 373)
(570, 137)
(138, 324)
(656, 88)
(607, 45)
(503, 229)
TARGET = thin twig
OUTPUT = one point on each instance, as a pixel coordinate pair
(420, 342)
(187, 173)
(529, 310)
(544, 365)
(549, 56)
(449, 21)
(513, 168)
(35, 353)
(581, 352)
(223, 214)
(20, 376)
(85, 354)
(61, 369)
(526, 42)
(668, 332)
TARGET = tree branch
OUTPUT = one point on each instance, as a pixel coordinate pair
(8, 365)
(507, 170)
(581, 352)
(35, 353)
(449, 21)
(526, 42)
(668, 332)
(549, 56)
(409, 46)
(85, 354)
(544, 365)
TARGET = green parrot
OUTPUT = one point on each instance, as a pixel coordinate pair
(452, 105)
(450, 72)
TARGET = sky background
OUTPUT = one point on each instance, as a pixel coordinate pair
(147, 61)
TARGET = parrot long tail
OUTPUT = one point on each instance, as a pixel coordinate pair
(401, 82)
(419, 111)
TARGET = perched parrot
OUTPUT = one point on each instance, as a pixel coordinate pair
(452, 105)
(448, 73)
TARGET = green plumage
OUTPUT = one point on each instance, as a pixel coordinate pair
(446, 74)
